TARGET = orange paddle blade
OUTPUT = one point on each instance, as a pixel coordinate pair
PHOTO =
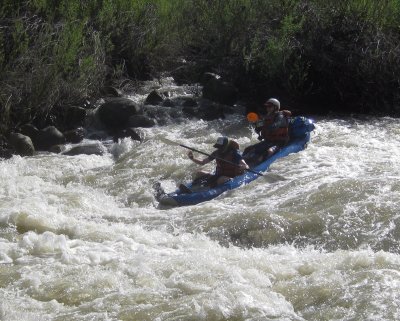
(252, 117)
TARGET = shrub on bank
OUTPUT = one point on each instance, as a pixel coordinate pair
(343, 56)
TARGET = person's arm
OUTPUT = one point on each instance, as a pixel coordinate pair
(199, 161)
(239, 160)
(258, 126)
(243, 165)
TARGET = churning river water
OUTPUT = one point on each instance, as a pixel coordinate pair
(317, 238)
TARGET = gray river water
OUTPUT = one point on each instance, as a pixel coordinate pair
(317, 238)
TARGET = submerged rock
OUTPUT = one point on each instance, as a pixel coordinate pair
(89, 149)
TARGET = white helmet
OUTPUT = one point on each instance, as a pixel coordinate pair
(221, 142)
(273, 101)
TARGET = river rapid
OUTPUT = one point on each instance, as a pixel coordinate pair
(83, 238)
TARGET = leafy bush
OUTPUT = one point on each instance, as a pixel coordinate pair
(342, 55)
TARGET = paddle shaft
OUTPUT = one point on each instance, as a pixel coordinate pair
(221, 159)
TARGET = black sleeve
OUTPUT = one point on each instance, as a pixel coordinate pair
(213, 155)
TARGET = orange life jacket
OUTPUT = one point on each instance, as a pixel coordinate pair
(224, 168)
(280, 135)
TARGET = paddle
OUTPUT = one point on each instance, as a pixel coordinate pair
(206, 154)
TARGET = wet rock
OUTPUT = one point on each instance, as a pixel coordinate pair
(207, 76)
(154, 98)
(5, 153)
(89, 149)
(110, 91)
(74, 136)
(186, 73)
(115, 113)
(129, 132)
(57, 149)
(210, 110)
(48, 137)
(5, 149)
(220, 91)
(211, 114)
(22, 144)
(168, 103)
(141, 121)
(189, 102)
(190, 111)
(74, 116)
(29, 130)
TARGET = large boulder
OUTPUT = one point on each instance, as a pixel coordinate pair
(141, 121)
(207, 110)
(210, 110)
(129, 132)
(22, 144)
(57, 149)
(74, 135)
(48, 137)
(110, 91)
(5, 153)
(43, 139)
(74, 116)
(115, 112)
(29, 130)
(220, 91)
(154, 98)
(189, 102)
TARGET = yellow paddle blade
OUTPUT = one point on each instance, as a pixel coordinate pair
(252, 117)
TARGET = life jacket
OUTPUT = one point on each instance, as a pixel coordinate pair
(280, 135)
(224, 168)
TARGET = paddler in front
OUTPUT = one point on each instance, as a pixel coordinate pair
(272, 130)
(229, 163)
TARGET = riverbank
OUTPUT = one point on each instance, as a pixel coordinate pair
(117, 116)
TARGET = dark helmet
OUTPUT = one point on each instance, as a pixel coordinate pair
(221, 142)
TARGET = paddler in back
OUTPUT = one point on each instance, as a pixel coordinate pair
(272, 130)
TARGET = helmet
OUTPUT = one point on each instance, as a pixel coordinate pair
(274, 102)
(221, 142)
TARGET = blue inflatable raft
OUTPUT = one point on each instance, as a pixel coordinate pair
(299, 130)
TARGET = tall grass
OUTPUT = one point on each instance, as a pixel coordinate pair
(344, 54)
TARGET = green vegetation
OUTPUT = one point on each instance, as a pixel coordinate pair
(342, 56)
